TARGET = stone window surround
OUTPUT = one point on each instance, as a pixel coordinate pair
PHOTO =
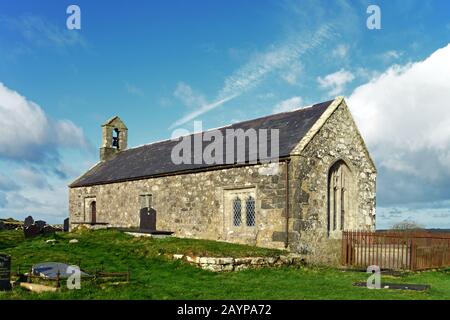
(352, 207)
(228, 216)
(87, 200)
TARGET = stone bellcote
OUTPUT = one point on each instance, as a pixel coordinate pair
(114, 138)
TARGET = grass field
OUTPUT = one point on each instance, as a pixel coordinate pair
(155, 276)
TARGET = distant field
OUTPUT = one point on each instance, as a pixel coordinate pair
(427, 230)
(154, 276)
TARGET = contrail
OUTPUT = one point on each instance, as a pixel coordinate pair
(200, 111)
(252, 73)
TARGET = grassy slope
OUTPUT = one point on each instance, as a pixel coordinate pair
(155, 277)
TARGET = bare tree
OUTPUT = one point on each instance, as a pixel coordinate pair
(407, 225)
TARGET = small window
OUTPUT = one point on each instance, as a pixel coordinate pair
(237, 219)
(250, 211)
(145, 201)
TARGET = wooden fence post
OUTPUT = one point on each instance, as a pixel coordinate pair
(58, 276)
(29, 275)
(413, 256)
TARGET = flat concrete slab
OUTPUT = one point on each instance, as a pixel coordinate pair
(148, 235)
(398, 286)
(136, 232)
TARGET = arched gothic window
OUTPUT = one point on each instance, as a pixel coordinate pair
(339, 189)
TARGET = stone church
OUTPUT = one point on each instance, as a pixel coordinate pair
(324, 183)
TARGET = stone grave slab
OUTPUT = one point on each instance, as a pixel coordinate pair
(5, 272)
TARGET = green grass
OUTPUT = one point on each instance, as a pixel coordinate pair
(155, 276)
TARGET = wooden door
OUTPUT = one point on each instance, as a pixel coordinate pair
(93, 212)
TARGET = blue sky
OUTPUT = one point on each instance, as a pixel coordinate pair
(161, 64)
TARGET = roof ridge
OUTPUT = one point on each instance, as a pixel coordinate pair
(229, 125)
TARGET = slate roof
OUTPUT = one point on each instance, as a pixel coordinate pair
(155, 159)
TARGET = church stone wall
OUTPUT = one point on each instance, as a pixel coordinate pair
(191, 205)
(338, 139)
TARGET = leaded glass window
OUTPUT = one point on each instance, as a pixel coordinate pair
(237, 219)
(250, 211)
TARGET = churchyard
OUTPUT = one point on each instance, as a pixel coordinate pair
(155, 274)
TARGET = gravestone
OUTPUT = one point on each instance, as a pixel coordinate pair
(66, 225)
(32, 231)
(28, 222)
(5, 272)
(148, 219)
(40, 224)
(47, 229)
(33, 228)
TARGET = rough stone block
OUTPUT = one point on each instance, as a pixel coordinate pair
(257, 261)
(271, 260)
(192, 259)
(241, 267)
(207, 260)
(212, 267)
(286, 260)
(225, 261)
(239, 261)
(228, 267)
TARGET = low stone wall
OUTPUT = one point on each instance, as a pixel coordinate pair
(222, 264)
(10, 225)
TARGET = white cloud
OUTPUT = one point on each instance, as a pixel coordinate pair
(7, 184)
(366, 74)
(291, 74)
(409, 103)
(46, 205)
(188, 96)
(288, 105)
(31, 147)
(40, 32)
(404, 117)
(431, 216)
(391, 55)
(336, 82)
(27, 134)
(32, 178)
(341, 51)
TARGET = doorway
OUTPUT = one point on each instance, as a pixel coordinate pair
(93, 212)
